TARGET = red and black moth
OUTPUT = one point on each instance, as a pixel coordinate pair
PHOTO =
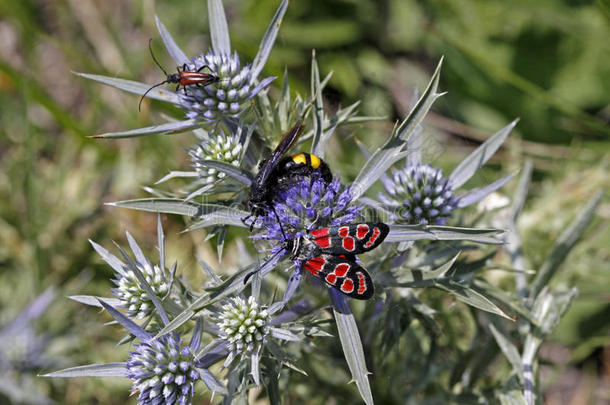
(329, 254)
(183, 78)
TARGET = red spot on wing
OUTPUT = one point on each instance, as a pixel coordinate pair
(341, 269)
(315, 264)
(362, 230)
(348, 243)
(318, 233)
(373, 238)
(331, 278)
(323, 242)
(347, 286)
(321, 238)
(361, 283)
(343, 231)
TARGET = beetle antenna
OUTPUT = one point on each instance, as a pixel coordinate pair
(155, 59)
(144, 95)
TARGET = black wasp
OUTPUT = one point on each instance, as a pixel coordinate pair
(278, 171)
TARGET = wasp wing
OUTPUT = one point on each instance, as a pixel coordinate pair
(268, 165)
(350, 239)
(343, 274)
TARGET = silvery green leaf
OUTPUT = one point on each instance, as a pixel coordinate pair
(256, 285)
(237, 173)
(131, 86)
(511, 393)
(176, 174)
(207, 348)
(549, 308)
(284, 334)
(232, 285)
(477, 194)
(201, 191)
(268, 40)
(169, 128)
(172, 48)
(500, 295)
(170, 206)
(393, 149)
(255, 368)
(196, 339)
(479, 156)
(507, 347)
(318, 108)
(219, 30)
(221, 216)
(416, 141)
(135, 248)
(94, 301)
(127, 323)
(401, 233)
(293, 283)
(513, 239)
(161, 242)
(564, 244)
(284, 101)
(141, 279)
(351, 344)
(520, 193)
(92, 370)
(471, 297)
(113, 261)
(209, 272)
(406, 278)
(211, 382)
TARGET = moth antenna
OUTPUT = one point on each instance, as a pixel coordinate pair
(155, 59)
(144, 95)
(279, 223)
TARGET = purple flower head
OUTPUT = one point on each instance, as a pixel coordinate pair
(308, 203)
(163, 371)
(419, 194)
(229, 96)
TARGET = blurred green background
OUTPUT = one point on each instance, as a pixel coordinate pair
(547, 62)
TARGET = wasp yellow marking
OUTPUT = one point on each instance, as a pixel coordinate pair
(299, 158)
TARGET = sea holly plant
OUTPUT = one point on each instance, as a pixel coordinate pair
(204, 106)
(257, 330)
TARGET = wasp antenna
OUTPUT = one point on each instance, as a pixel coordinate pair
(144, 95)
(155, 59)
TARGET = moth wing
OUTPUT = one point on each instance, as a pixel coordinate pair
(287, 141)
(350, 239)
(343, 274)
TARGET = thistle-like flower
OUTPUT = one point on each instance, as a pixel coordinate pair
(243, 325)
(226, 97)
(307, 204)
(229, 96)
(130, 291)
(221, 147)
(163, 371)
(418, 194)
(132, 295)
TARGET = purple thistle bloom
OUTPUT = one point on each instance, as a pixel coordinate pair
(419, 194)
(163, 371)
(226, 98)
(306, 205)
